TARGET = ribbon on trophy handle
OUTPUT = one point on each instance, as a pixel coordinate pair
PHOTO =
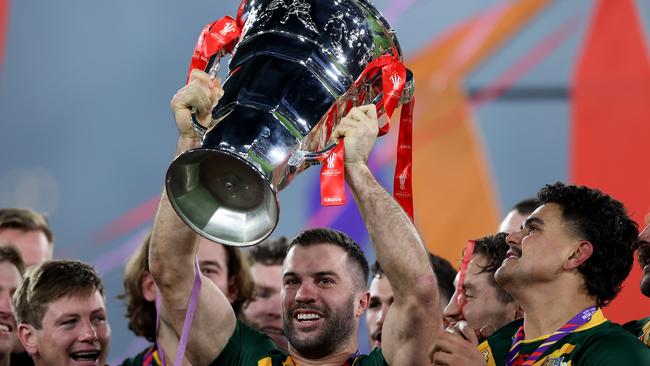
(393, 74)
(216, 39)
(332, 179)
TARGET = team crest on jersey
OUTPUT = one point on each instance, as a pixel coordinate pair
(486, 355)
(557, 361)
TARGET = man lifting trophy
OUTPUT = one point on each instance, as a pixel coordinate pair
(300, 80)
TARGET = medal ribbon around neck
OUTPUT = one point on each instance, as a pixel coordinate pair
(574, 323)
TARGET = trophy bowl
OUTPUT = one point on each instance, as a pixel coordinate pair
(297, 69)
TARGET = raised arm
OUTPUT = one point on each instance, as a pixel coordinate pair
(414, 317)
(174, 245)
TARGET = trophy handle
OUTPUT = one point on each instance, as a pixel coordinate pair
(213, 72)
(303, 159)
(407, 94)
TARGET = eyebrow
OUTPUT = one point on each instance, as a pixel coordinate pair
(468, 286)
(209, 263)
(317, 274)
(326, 273)
(77, 315)
(533, 220)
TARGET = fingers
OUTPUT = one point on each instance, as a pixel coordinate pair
(201, 93)
(468, 332)
(199, 75)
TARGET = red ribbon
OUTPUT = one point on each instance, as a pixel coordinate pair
(403, 177)
(467, 257)
(332, 187)
(393, 74)
(217, 37)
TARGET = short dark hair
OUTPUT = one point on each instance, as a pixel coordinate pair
(25, 219)
(604, 222)
(493, 248)
(526, 206)
(9, 253)
(330, 236)
(49, 282)
(444, 271)
(270, 252)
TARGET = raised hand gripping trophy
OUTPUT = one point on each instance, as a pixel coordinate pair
(297, 68)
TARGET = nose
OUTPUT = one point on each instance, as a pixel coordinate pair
(382, 314)
(453, 309)
(5, 303)
(306, 293)
(88, 332)
(514, 238)
(273, 306)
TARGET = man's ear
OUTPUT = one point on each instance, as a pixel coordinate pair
(581, 253)
(149, 289)
(27, 337)
(363, 302)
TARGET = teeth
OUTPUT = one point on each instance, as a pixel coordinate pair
(85, 355)
(309, 316)
(4, 328)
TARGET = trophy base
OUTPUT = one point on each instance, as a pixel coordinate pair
(222, 197)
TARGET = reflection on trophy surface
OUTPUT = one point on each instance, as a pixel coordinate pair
(292, 78)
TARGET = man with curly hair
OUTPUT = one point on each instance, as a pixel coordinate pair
(568, 261)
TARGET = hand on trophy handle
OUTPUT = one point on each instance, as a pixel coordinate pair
(200, 93)
(359, 128)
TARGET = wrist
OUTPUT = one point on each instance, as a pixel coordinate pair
(187, 142)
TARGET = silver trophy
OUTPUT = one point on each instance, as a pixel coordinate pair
(294, 73)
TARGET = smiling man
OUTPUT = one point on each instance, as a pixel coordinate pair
(324, 292)
(569, 260)
(61, 315)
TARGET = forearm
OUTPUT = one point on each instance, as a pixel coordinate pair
(398, 246)
(173, 243)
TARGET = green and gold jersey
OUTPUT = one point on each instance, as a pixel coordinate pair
(249, 347)
(148, 357)
(597, 342)
(640, 329)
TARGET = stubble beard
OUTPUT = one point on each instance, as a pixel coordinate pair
(335, 331)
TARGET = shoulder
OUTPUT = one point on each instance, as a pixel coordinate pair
(610, 344)
(636, 326)
(138, 359)
(247, 346)
(374, 358)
